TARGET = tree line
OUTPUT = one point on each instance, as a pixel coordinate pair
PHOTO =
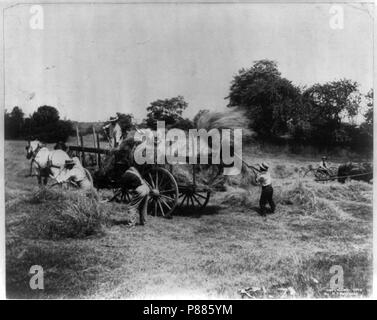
(44, 124)
(321, 115)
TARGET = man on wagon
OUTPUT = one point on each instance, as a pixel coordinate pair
(114, 132)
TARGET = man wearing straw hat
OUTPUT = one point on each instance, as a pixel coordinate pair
(264, 179)
(114, 131)
(323, 166)
(73, 171)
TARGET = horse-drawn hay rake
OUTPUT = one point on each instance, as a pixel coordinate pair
(322, 175)
(348, 171)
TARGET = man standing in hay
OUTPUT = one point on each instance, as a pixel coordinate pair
(132, 180)
(264, 179)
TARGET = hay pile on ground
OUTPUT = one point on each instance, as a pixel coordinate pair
(299, 195)
(331, 201)
(240, 198)
(59, 215)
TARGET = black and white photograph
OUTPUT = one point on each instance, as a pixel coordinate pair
(191, 150)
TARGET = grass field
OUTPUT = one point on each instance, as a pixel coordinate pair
(212, 254)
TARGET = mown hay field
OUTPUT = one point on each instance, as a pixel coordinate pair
(86, 253)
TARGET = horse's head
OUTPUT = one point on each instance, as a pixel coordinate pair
(32, 148)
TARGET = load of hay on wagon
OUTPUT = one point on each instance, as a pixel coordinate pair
(355, 171)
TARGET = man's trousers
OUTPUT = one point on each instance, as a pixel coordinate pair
(266, 197)
(139, 202)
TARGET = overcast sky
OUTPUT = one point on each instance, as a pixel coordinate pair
(91, 61)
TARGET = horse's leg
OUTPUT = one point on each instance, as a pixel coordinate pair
(31, 169)
(40, 178)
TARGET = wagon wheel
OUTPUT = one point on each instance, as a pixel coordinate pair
(333, 171)
(121, 195)
(194, 196)
(319, 175)
(324, 176)
(164, 192)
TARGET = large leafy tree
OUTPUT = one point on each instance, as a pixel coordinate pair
(44, 115)
(333, 101)
(369, 113)
(45, 124)
(269, 98)
(168, 110)
(366, 128)
(326, 109)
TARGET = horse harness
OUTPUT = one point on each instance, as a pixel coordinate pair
(49, 160)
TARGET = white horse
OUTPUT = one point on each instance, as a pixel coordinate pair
(46, 163)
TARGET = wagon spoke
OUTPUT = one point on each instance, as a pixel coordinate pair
(150, 176)
(155, 208)
(199, 195)
(156, 180)
(183, 200)
(192, 201)
(162, 210)
(167, 191)
(161, 181)
(166, 197)
(165, 203)
(149, 185)
(196, 199)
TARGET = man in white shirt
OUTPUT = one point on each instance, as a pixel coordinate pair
(323, 167)
(114, 131)
(264, 179)
(73, 171)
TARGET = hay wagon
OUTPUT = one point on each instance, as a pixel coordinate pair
(166, 193)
